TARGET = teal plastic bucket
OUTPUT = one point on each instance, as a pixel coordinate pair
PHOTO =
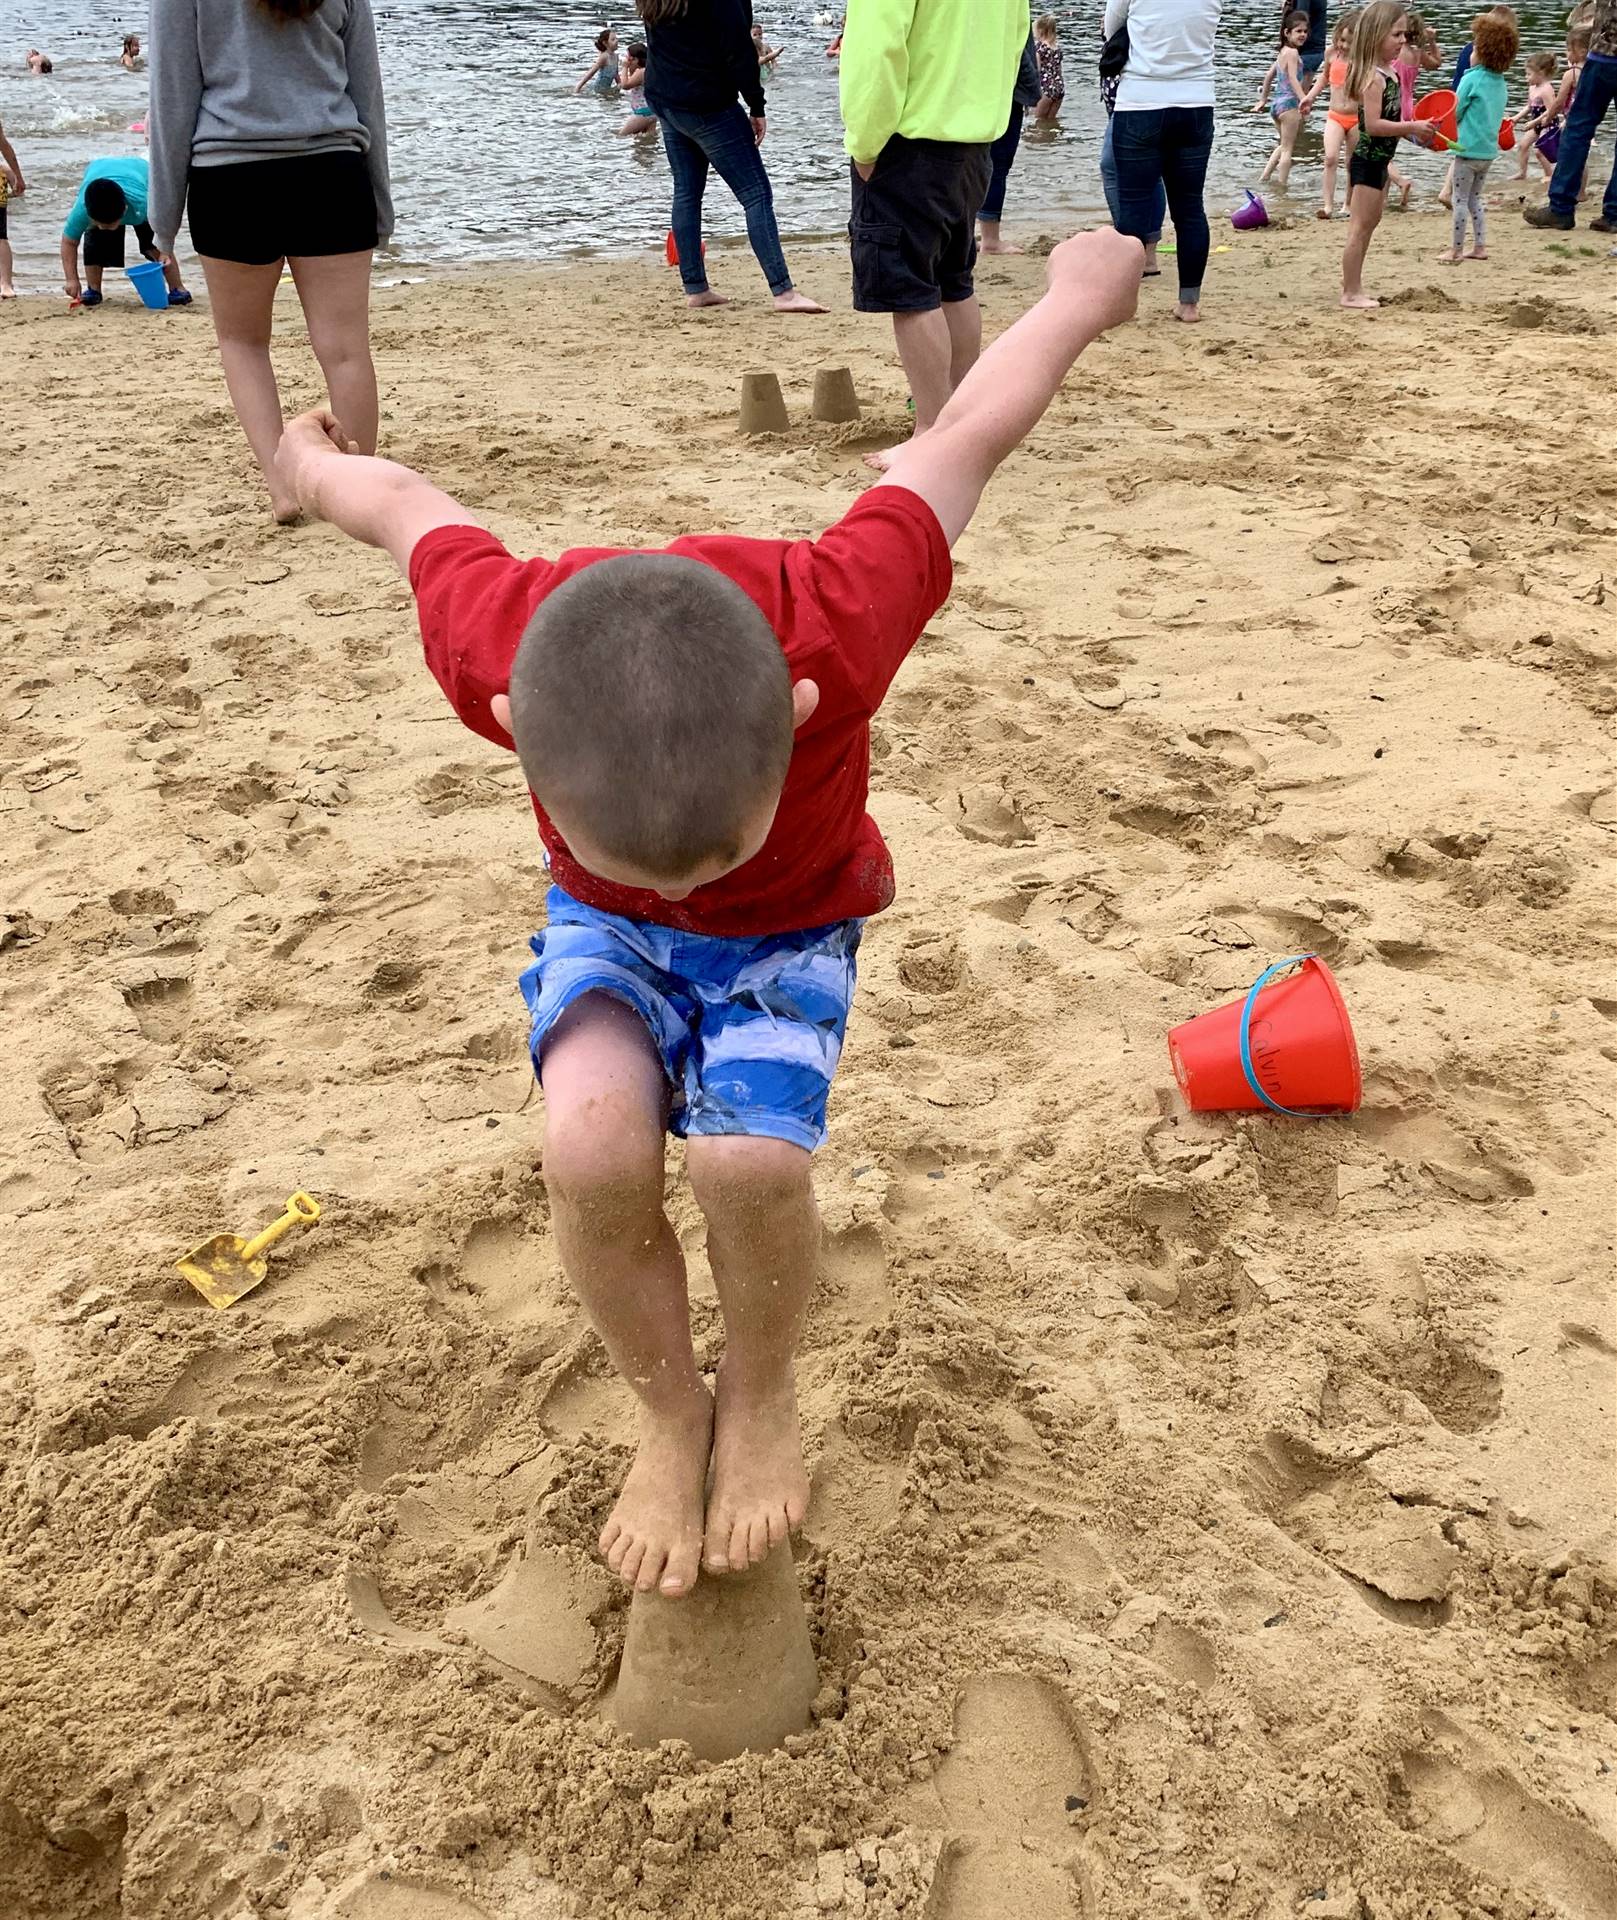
(148, 281)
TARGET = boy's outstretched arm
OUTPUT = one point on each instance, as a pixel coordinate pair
(1094, 284)
(376, 501)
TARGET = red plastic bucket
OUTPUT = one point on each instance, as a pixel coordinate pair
(1507, 135)
(1288, 1047)
(1439, 107)
(671, 251)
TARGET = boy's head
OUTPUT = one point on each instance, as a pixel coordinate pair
(104, 202)
(1494, 41)
(653, 713)
(1541, 66)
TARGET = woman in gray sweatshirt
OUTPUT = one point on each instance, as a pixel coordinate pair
(267, 116)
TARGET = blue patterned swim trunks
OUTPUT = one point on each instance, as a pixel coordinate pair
(749, 1031)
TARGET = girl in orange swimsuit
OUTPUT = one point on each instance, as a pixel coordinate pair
(1342, 122)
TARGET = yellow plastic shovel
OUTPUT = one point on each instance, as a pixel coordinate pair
(224, 1268)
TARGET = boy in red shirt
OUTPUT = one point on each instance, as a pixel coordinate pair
(694, 727)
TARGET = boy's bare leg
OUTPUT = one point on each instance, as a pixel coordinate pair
(763, 1242)
(605, 1098)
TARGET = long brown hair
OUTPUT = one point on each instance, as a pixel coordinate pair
(1369, 30)
(655, 12)
(291, 9)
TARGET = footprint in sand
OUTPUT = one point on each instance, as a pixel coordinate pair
(538, 1622)
(1006, 1794)
(1460, 1796)
(854, 1494)
(381, 1893)
(158, 996)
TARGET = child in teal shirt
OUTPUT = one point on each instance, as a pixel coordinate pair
(113, 197)
(1480, 111)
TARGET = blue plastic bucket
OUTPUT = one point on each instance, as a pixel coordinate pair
(148, 281)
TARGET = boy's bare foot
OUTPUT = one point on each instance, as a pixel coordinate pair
(795, 302)
(1189, 313)
(1322, 213)
(653, 1537)
(760, 1486)
(1360, 302)
(708, 299)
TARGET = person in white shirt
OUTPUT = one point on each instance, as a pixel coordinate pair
(1162, 128)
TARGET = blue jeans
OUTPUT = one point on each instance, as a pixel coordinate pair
(694, 141)
(1001, 158)
(1165, 150)
(1108, 181)
(1596, 92)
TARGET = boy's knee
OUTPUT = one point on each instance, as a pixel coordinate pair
(736, 1176)
(603, 1166)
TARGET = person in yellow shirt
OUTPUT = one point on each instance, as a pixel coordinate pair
(926, 85)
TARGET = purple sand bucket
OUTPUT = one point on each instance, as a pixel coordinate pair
(1252, 214)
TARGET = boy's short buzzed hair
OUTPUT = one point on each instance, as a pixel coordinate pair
(652, 709)
(104, 202)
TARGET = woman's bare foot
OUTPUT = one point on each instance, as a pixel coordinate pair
(653, 1538)
(1187, 310)
(760, 1486)
(795, 302)
(1360, 302)
(708, 299)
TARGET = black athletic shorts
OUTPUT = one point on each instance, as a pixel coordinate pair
(1370, 172)
(2, 220)
(913, 231)
(256, 212)
(104, 246)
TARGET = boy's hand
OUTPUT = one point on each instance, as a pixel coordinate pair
(306, 441)
(1102, 268)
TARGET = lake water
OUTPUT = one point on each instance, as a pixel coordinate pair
(494, 159)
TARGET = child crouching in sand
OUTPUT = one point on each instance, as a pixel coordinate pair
(1379, 34)
(694, 726)
(1480, 109)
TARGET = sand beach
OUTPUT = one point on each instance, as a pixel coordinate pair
(1211, 1517)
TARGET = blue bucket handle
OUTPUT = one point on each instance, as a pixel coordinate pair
(1263, 979)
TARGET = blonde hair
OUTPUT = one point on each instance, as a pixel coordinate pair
(1369, 30)
(1342, 33)
(1048, 25)
(1579, 40)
